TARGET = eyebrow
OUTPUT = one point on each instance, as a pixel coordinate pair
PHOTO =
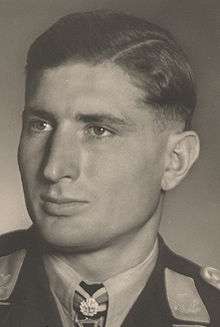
(37, 112)
(106, 118)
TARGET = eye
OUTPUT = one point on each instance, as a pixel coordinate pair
(39, 125)
(98, 131)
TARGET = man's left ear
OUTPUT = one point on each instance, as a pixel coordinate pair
(182, 152)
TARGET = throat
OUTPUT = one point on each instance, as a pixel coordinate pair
(104, 263)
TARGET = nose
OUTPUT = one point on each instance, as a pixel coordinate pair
(61, 157)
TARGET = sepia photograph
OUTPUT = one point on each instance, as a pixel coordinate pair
(110, 163)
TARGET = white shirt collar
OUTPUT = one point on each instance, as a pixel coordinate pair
(123, 289)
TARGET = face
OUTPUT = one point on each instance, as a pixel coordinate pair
(90, 160)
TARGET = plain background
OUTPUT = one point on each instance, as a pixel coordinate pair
(191, 222)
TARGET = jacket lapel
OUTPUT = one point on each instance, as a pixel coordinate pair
(31, 303)
(166, 294)
(151, 307)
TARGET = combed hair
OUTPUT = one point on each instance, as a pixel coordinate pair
(148, 53)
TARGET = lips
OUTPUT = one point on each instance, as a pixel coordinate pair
(62, 206)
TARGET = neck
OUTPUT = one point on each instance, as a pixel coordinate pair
(122, 254)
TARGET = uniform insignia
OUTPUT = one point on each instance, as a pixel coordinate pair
(211, 276)
(4, 279)
(10, 266)
(183, 298)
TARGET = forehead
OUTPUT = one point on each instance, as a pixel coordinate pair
(102, 82)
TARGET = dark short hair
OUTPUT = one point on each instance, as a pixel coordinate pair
(147, 52)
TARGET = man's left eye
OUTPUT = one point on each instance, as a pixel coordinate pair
(98, 131)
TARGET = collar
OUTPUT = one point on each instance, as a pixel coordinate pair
(10, 267)
(183, 298)
(25, 291)
(159, 290)
(63, 280)
(124, 288)
(127, 285)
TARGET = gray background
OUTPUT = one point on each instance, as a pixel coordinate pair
(191, 223)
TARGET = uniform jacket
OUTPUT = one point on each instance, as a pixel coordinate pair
(178, 292)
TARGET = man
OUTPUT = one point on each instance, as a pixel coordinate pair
(106, 132)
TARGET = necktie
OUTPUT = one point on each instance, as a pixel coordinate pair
(90, 304)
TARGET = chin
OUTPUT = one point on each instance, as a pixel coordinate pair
(64, 241)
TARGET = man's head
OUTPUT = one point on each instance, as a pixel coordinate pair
(109, 100)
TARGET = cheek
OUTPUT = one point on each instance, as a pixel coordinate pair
(126, 184)
(30, 156)
(123, 166)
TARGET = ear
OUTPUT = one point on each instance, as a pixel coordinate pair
(182, 152)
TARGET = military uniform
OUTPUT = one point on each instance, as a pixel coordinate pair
(178, 293)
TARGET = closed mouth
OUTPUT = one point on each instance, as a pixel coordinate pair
(62, 206)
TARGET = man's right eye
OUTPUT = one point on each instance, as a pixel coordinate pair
(39, 125)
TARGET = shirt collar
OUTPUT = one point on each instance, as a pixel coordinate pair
(124, 288)
(127, 285)
(63, 280)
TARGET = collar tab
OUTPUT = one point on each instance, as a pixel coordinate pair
(183, 298)
(10, 266)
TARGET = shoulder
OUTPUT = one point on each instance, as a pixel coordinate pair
(193, 292)
(12, 254)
